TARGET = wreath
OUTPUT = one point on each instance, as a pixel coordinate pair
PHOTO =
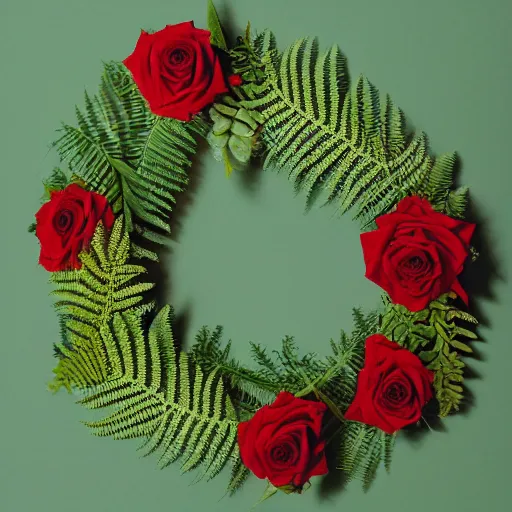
(104, 214)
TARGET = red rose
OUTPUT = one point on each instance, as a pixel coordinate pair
(66, 223)
(176, 70)
(416, 253)
(392, 388)
(282, 441)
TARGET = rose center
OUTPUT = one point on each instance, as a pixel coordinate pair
(396, 393)
(415, 265)
(62, 221)
(415, 262)
(179, 57)
(283, 454)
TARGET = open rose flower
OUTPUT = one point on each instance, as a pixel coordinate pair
(177, 70)
(66, 223)
(416, 254)
(282, 442)
(392, 387)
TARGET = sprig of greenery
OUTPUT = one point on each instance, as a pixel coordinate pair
(326, 136)
(121, 150)
(88, 299)
(332, 380)
(159, 394)
(435, 335)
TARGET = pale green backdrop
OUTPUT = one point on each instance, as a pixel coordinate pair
(246, 257)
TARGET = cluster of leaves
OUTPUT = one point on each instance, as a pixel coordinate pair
(88, 299)
(435, 335)
(331, 380)
(234, 133)
(111, 355)
(124, 152)
(336, 140)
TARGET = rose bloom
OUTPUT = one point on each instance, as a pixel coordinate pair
(282, 442)
(177, 70)
(392, 387)
(66, 223)
(416, 254)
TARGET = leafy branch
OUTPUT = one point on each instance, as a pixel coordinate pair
(159, 394)
(88, 299)
(435, 335)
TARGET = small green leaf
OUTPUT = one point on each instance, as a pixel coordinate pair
(269, 492)
(428, 355)
(465, 332)
(245, 116)
(215, 115)
(142, 253)
(241, 129)
(217, 36)
(224, 109)
(217, 141)
(461, 346)
(240, 147)
(257, 116)
(32, 228)
(227, 162)
(222, 125)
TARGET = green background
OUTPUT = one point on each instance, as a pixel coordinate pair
(243, 254)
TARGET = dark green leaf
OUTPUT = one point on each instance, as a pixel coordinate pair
(217, 36)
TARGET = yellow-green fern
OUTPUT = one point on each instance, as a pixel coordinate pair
(161, 395)
(89, 298)
(329, 137)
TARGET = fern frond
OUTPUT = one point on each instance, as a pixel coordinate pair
(335, 376)
(249, 389)
(58, 180)
(362, 450)
(328, 138)
(437, 187)
(121, 150)
(106, 284)
(161, 395)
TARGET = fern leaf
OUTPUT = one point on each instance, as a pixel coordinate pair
(326, 137)
(362, 449)
(164, 397)
(121, 150)
(106, 284)
(435, 336)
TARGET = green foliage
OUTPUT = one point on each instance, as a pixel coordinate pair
(332, 379)
(159, 394)
(121, 150)
(217, 36)
(330, 139)
(106, 284)
(437, 188)
(362, 450)
(434, 334)
(284, 370)
(246, 58)
(234, 133)
(58, 180)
